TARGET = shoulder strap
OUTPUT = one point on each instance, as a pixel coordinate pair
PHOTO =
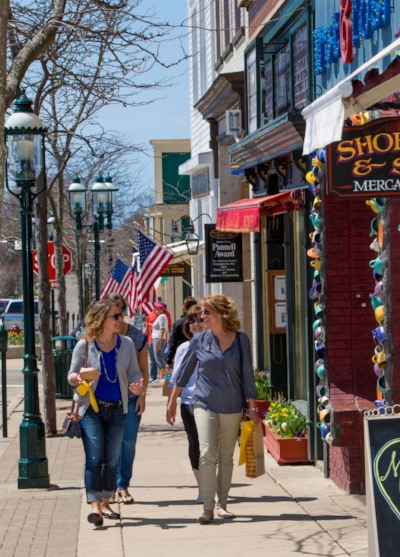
(86, 353)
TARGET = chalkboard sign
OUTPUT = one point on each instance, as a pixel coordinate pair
(382, 468)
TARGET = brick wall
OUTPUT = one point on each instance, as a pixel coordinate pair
(349, 320)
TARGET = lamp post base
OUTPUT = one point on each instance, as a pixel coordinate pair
(33, 464)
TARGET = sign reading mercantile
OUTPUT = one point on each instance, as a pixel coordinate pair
(223, 255)
(366, 162)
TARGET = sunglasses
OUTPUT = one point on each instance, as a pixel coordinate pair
(206, 311)
(198, 320)
(116, 316)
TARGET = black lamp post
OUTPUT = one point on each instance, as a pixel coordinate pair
(103, 200)
(25, 134)
(50, 225)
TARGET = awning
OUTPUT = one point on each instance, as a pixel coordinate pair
(244, 215)
(325, 116)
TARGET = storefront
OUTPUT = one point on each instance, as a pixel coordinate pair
(352, 134)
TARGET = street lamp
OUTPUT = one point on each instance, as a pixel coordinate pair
(103, 200)
(191, 238)
(50, 225)
(25, 135)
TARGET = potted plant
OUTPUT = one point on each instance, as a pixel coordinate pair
(285, 433)
(261, 380)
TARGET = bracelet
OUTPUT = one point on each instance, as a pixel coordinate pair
(253, 409)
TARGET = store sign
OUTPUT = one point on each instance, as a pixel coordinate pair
(366, 162)
(223, 255)
(356, 21)
(176, 270)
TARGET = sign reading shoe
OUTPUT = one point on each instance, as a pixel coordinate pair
(366, 162)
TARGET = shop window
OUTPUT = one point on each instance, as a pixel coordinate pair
(269, 96)
(300, 68)
(282, 81)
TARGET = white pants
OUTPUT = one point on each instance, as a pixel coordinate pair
(218, 434)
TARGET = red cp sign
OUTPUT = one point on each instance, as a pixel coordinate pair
(52, 262)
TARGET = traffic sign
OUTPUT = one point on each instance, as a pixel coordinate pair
(67, 256)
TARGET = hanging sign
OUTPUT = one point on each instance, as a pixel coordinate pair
(176, 270)
(382, 463)
(223, 255)
(366, 162)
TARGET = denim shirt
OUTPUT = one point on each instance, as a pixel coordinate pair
(220, 384)
(187, 392)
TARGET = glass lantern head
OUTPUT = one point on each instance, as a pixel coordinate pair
(111, 194)
(77, 196)
(176, 236)
(24, 131)
(99, 195)
(192, 241)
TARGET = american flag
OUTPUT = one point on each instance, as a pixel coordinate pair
(153, 260)
(118, 281)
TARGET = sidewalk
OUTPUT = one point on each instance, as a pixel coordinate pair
(292, 510)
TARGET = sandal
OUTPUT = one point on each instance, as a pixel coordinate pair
(126, 497)
(113, 498)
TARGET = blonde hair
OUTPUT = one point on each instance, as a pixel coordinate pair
(116, 299)
(226, 308)
(95, 318)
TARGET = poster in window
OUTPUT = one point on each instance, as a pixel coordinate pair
(280, 287)
(252, 91)
(277, 301)
(280, 315)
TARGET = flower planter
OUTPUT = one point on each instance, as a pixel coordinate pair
(285, 450)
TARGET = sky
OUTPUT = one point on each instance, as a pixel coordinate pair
(168, 117)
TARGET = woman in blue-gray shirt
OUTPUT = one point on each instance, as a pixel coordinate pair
(225, 379)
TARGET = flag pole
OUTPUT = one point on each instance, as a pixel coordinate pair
(137, 225)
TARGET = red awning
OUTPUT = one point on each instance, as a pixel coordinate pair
(244, 215)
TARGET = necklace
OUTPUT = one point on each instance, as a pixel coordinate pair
(105, 368)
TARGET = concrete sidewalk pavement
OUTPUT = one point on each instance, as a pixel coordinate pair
(291, 510)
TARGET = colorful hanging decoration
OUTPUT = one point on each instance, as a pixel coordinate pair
(314, 179)
(377, 299)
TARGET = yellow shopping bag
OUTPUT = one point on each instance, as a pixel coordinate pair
(252, 449)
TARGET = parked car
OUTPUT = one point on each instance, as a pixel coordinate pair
(3, 304)
(13, 314)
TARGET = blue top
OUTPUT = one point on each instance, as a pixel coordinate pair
(221, 384)
(138, 338)
(187, 392)
(106, 390)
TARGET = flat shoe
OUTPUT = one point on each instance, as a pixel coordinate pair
(205, 518)
(227, 515)
(126, 499)
(95, 518)
(112, 516)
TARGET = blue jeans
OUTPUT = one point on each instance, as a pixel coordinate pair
(159, 354)
(102, 439)
(128, 445)
(153, 363)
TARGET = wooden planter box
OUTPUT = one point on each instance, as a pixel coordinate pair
(286, 451)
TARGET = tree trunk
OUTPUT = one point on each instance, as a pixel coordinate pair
(50, 415)
(58, 241)
(3, 73)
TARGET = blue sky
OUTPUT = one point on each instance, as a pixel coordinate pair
(168, 117)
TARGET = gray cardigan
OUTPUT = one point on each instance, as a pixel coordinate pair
(127, 368)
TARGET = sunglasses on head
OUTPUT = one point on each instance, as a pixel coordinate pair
(198, 320)
(206, 311)
(116, 316)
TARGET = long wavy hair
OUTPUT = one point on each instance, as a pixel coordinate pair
(116, 299)
(192, 313)
(95, 319)
(226, 308)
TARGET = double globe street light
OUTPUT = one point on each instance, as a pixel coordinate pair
(25, 166)
(103, 193)
(191, 238)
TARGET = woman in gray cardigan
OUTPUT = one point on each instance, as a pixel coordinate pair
(112, 371)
